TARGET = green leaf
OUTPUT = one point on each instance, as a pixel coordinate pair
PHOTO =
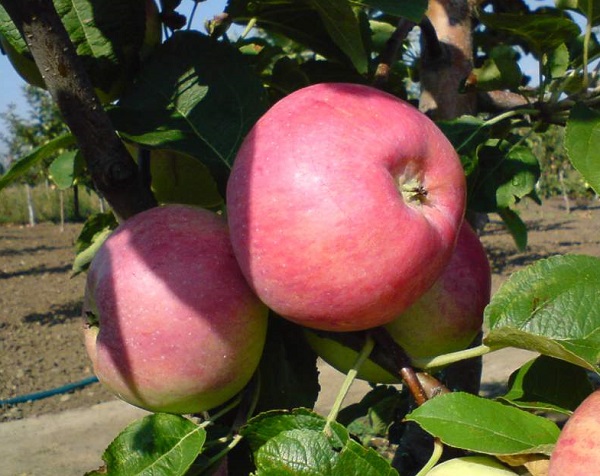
(156, 444)
(66, 168)
(413, 10)
(294, 442)
(200, 104)
(22, 166)
(343, 27)
(582, 140)
(373, 415)
(548, 384)
(95, 231)
(505, 174)
(558, 61)
(466, 133)
(107, 36)
(288, 369)
(357, 460)
(500, 71)
(300, 452)
(543, 31)
(516, 227)
(294, 20)
(588, 8)
(267, 425)
(551, 307)
(476, 424)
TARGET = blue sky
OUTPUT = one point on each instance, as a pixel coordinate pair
(12, 84)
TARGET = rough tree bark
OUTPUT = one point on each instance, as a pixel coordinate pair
(447, 59)
(112, 169)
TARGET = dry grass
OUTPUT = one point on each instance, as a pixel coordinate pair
(46, 203)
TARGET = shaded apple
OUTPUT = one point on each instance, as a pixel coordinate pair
(577, 451)
(471, 466)
(344, 205)
(445, 319)
(172, 325)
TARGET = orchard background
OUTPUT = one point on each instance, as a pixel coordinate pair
(191, 96)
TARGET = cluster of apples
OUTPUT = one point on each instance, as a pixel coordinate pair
(345, 210)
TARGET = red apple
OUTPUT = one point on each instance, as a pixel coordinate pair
(445, 319)
(172, 323)
(577, 451)
(344, 205)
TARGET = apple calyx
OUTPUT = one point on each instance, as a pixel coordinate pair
(414, 193)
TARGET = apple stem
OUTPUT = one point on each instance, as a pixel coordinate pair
(350, 376)
(452, 357)
(438, 449)
(410, 379)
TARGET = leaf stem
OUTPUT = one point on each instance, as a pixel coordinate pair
(223, 411)
(234, 441)
(452, 357)
(350, 376)
(438, 449)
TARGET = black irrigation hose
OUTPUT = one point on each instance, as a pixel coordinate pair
(30, 397)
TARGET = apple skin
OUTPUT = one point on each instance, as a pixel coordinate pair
(471, 466)
(344, 205)
(180, 331)
(445, 319)
(577, 451)
(448, 317)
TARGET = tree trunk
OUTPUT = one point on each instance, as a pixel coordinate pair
(446, 59)
(61, 195)
(76, 208)
(30, 207)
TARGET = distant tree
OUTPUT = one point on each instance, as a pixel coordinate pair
(42, 124)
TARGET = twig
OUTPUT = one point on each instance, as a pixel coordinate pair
(389, 55)
(113, 170)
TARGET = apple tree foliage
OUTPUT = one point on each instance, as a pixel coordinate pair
(197, 93)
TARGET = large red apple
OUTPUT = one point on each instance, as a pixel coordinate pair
(172, 324)
(344, 204)
(445, 319)
(577, 451)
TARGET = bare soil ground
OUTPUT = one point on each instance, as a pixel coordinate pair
(40, 326)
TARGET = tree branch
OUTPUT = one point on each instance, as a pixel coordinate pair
(112, 169)
(390, 53)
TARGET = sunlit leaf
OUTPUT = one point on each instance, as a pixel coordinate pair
(551, 307)
(156, 444)
(582, 140)
(477, 424)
